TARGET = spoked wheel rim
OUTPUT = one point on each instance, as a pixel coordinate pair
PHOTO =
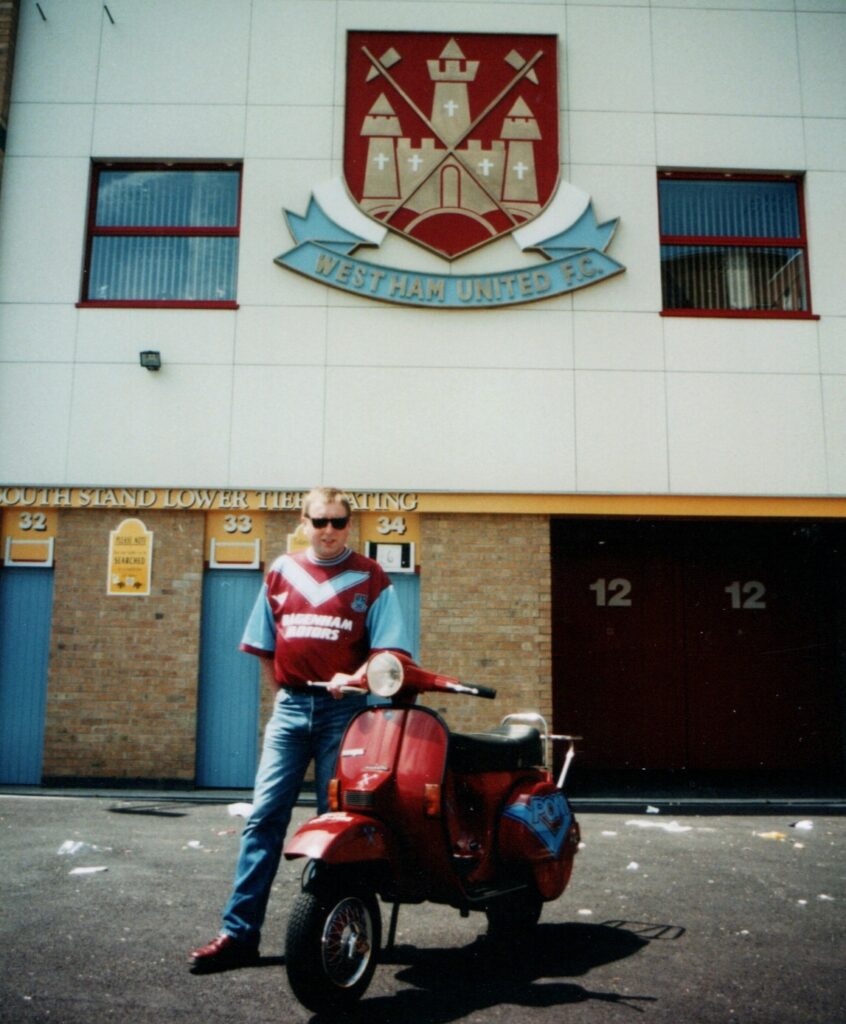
(347, 942)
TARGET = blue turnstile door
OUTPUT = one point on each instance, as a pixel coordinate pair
(228, 712)
(26, 608)
(407, 586)
(227, 718)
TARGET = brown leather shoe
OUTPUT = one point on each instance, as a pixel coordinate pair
(223, 953)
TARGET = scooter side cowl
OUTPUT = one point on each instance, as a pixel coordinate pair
(538, 827)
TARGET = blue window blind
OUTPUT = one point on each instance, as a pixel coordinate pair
(163, 236)
(733, 245)
(733, 209)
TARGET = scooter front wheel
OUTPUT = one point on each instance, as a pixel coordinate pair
(332, 946)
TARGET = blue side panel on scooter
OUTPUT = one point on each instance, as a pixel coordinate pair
(547, 816)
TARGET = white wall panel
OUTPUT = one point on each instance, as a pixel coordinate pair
(136, 427)
(822, 45)
(726, 62)
(278, 426)
(194, 336)
(748, 5)
(835, 6)
(530, 338)
(833, 344)
(825, 141)
(50, 129)
(609, 137)
(736, 142)
(289, 132)
(608, 59)
(450, 429)
(56, 59)
(746, 434)
(169, 131)
(34, 407)
(834, 397)
(194, 51)
(621, 432)
(825, 203)
(618, 341)
(281, 335)
(742, 346)
(42, 212)
(31, 333)
(292, 43)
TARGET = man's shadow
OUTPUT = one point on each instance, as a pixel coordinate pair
(449, 984)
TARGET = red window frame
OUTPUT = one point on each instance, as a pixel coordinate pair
(744, 242)
(93, 230)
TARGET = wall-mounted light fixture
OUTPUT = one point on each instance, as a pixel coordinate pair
(151, 360)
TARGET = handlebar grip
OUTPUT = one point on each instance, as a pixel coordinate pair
(488, 692)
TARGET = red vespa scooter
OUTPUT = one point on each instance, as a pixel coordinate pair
(420, 813)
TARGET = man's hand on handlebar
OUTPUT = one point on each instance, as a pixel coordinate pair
(341, 683)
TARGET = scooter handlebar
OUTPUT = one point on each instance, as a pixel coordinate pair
(473, 689)
(351, 688)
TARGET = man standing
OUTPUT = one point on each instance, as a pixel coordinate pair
(319, 616)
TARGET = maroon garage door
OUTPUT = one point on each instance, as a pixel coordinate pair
(695, 648)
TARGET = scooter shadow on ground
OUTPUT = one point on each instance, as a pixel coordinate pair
(448, 984)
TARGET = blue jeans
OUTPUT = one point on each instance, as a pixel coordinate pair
(304, 725)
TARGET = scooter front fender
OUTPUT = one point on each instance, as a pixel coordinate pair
(341, 838)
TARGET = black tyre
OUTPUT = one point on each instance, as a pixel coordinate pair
(513, 915)
(332, 946)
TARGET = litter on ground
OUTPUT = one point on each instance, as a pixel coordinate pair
(71, 847)
(669, 826)
(240, 810)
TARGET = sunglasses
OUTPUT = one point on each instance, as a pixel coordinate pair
(320, 523)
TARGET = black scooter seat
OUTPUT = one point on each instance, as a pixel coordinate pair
(504, 749)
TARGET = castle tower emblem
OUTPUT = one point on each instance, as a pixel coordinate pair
(451, 140)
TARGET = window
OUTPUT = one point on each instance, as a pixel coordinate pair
(733, 245)
(162, 235)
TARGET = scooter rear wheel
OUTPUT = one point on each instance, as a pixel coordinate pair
(332, 946)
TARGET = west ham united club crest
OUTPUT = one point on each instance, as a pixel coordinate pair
(451, 142)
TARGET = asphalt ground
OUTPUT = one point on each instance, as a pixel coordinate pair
(669, 918)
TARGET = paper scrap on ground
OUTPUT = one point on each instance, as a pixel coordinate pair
(666, 826)
(241, 810)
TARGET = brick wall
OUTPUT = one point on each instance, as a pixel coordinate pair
(485, 613)
(8, 32)
(122, 684)
(123, 676)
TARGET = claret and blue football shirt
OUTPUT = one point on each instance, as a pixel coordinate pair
(316, 618)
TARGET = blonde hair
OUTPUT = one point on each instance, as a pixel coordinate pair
(328, 496)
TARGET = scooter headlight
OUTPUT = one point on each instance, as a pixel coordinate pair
(384, 674)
